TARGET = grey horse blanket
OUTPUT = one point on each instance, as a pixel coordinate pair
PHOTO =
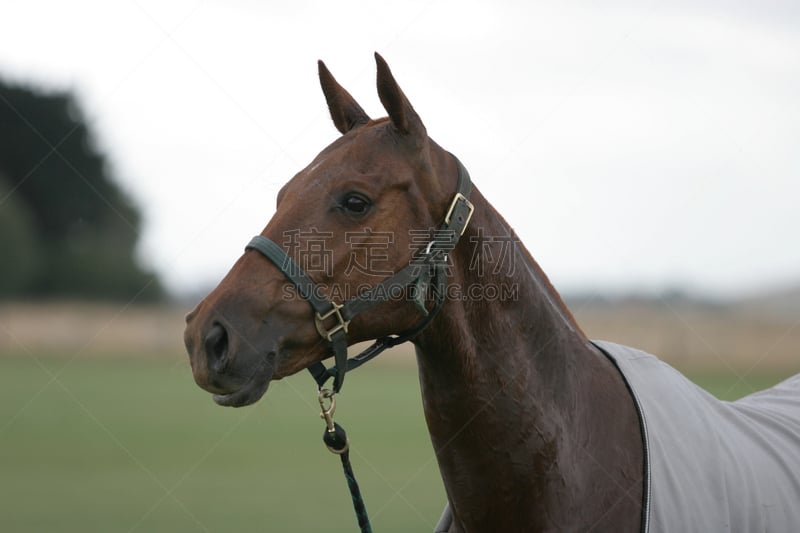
(711, 465)
(714, 465)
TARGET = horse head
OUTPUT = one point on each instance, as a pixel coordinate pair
(347, 221)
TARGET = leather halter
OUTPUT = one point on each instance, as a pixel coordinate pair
(424, 272)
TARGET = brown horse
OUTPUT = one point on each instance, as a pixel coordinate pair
(533, 426)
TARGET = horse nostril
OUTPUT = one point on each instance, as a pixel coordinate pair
(216, 344)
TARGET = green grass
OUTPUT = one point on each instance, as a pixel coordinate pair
(133, 445)
(127, 445)
(727, 385)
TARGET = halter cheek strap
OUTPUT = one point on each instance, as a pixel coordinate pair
(428, 271)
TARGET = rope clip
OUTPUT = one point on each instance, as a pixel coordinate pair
(327, 396)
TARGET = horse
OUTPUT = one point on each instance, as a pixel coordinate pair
(534, 426)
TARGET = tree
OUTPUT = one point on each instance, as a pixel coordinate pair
(66, 228)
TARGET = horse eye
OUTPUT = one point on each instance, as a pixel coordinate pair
(355, 204)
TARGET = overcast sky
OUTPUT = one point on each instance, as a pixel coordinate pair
(640, 145)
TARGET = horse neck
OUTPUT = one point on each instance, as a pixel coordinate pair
(503, 326)
(506, 381)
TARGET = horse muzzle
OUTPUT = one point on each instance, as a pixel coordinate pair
(236, 370)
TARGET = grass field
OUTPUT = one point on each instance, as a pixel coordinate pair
(134, 445)
(129, 445)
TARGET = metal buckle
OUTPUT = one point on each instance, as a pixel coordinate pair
(341, 325)
(455, 201)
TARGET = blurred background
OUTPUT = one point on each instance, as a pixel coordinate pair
(143, 143)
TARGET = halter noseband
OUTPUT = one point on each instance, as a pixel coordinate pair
(427, 271)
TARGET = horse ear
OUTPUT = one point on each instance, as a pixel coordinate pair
(345, 111)
(402, 114)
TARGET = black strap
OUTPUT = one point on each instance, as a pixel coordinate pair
(443, 242)
(305, 285)
(322, 374)
(430, 264)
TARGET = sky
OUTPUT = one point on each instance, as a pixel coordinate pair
(632, 145)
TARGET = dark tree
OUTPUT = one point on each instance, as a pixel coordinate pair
(66, 228)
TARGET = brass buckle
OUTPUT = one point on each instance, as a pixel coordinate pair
(341, 322)
(455, 201)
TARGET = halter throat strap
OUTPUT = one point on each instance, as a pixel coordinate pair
(426, 271)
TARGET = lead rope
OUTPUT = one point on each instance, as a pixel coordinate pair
(335, 439)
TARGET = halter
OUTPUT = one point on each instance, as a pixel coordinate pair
(427, 271)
